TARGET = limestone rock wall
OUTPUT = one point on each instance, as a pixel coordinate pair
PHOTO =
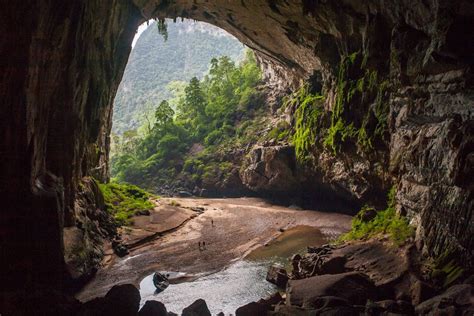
(61, 64)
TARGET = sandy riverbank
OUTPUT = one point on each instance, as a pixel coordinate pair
(240, 225)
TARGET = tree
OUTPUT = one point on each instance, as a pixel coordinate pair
(163, 114)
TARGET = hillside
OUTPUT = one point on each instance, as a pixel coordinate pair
(154, 63)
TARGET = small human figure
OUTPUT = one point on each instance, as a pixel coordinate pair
(212, 222)
(204, 245)
(199, 244)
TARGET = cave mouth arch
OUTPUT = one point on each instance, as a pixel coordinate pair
(63, 62)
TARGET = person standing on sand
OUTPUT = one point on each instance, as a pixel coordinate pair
(204, 245)
(199, 244)
(212, 222)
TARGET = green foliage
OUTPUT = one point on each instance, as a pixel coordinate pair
(280, 132)
(309, 108)
(162, 28)
(356, 87)
(157, 69)
(385, 222)
(206, 112)
(124, 200)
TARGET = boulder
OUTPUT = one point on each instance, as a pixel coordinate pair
(354, 287)
(122, 300)
(277, 276)
(272, 300)
(262, 307)
(153, 308)
(119, 248)
(457, 300)
(288, 310)
(421, 291)
(252, 309)
(198, 308)
(142, 213)
(270, 168)
(389, 306)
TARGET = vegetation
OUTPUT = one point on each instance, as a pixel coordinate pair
(356, 87)
(165, 57)
(307, 114)
(445, 268)
(191, 132)
(385, 222)
(124, 201)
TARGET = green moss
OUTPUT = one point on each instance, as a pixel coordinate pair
(356, 89)
(124, 200)
(386, 222)
(307, 114)
(446, 269)
(280, 132)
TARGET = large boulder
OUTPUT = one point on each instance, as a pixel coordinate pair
(262, 307)
(198, 308)
(252, 309)
(384, 265)
(122, 300)
(277, 276)
(457, 300)
(270, 168)
(354, 287)
(153, 308)
(421, 291)
(389, 306)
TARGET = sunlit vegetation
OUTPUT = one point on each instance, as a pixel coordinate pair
(124, 200)
(383, 223)
(208, 113)
(158, 70)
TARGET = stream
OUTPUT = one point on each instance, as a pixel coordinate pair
(241, 282)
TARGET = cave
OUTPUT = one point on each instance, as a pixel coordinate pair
(63, 61)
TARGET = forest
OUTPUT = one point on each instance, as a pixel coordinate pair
(185, 133)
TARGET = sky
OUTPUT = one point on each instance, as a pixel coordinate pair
(140, 30)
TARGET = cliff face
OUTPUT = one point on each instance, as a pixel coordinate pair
(62, 63)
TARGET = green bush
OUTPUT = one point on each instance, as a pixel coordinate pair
(124, 200)
(385, 222)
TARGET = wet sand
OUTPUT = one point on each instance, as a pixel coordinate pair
(240, 226)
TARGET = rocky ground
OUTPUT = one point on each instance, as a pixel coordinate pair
(363, 278)
(240, 225)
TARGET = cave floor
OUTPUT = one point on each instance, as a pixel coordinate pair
(230, 227)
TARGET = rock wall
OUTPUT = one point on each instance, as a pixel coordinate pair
(62, 62)
(61, 65)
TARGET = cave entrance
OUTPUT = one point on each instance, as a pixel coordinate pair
(190, 106)
(188, 101)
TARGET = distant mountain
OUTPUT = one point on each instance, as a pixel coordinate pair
(155, 62)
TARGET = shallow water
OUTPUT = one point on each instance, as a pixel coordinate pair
(291, 241)
(223, 291)
(240, 283)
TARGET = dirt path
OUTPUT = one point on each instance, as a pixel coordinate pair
(240, 225)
